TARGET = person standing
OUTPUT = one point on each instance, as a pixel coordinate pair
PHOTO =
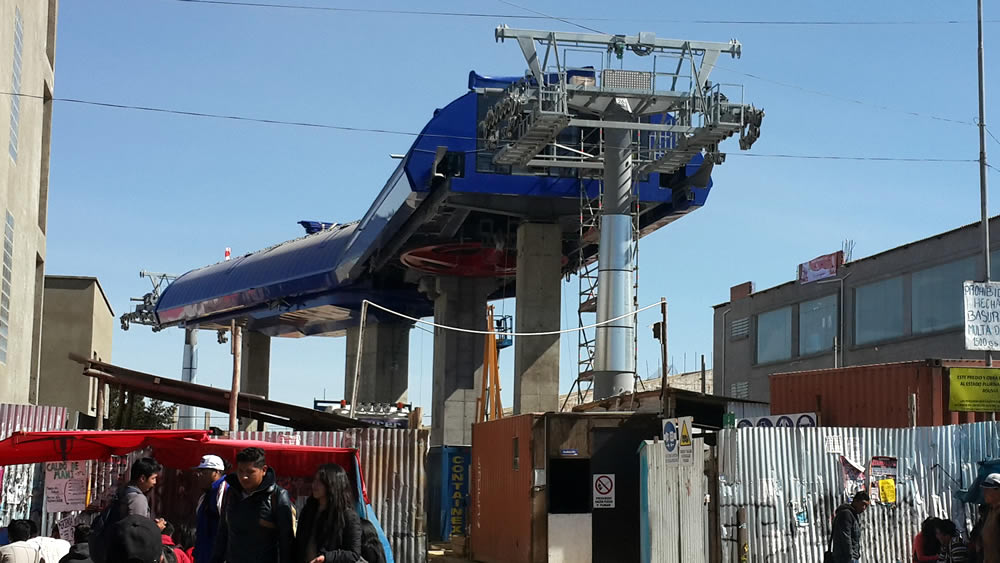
(129, 500)
(926, 546)
(257, 520)
(80, 551)
(19, 550)
(953, 549)
(330, 529)
(846, 535)
(210, 475)
(985, 538)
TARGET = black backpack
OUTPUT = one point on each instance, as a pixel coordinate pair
(102, 524)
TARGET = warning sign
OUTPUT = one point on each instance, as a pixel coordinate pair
(974, 389)
(604, 490)
(685, 443)
(671, 435)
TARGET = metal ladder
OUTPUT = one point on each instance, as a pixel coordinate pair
(589, 234)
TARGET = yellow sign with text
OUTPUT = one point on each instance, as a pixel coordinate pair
(887, 491)
(974, 390)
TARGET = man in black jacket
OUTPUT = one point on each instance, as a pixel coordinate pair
(846, 535)
(257, 522)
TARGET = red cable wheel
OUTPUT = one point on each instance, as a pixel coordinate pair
(463, 259)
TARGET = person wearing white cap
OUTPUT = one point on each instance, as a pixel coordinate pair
(210, 475)
(984, 541)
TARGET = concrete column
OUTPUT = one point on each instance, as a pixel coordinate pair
(255, 369)
(189, 370)
(458, 357)
(384, 362)
(539, 290)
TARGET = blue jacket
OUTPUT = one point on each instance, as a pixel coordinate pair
(208, 520)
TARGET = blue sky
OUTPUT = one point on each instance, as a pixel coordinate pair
(132, 190)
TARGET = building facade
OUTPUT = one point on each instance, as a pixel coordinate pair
(27, 62)
(77, 320)
(900, 305)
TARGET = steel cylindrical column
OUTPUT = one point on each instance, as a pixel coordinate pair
(614, 361)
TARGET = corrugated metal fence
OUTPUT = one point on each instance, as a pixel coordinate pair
(673, 514)
(767, 476)
(21, 483)
(393, 462)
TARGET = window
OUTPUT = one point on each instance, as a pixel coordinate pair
(994, 264)
(817, 324)
(8, 264)
(15, 86)
(937, 295)
(878, 311)
(740, 390)
(774, 335)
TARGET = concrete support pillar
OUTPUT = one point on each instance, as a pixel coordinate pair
(189, 370)
(255, 369)
(458, 357)
(384, 363)
(539, 290)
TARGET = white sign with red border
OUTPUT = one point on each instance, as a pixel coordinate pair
(604, 490)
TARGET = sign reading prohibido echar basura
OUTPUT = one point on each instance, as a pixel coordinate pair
(982, 316)
(974, 389)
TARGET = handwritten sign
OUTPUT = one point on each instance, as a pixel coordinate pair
(982, 316)
(887, 491)
(65, 486)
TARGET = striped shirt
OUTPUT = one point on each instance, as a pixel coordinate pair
(954, 552)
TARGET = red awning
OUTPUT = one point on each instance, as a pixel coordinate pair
(177, 449)
(39, 447)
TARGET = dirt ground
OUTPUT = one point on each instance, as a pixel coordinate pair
(442, 553)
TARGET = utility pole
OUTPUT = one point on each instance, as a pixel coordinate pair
(982, 163)
(234, 392)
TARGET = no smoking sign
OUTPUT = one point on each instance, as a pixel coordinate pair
(604, 490)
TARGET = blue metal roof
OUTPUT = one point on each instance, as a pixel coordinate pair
(327, 272)
(292, 268)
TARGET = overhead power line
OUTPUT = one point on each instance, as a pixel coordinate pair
(539, 16)
(351, 129)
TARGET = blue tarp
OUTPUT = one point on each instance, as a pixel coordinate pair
(974, 494)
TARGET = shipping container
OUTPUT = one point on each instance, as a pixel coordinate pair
(537, 482)
(878, 396)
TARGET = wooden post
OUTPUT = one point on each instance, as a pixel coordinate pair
(703, 379)
(208, 419)
(234, 393)
(100, 404)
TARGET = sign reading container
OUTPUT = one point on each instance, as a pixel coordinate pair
(974, 389)
(455, 492)
(982, 316)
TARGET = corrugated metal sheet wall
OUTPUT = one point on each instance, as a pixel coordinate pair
(766, 474)
(501, 506)
(672, 504)
(393, 463)
(19, 481)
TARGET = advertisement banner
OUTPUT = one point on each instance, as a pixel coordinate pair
(882, 479)
(455, 461)
(974, 389)
(821, 268)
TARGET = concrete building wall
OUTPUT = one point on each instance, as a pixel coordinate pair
(77, 319)
(738, 371)
(29, 25)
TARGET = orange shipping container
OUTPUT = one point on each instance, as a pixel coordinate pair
(876, 396)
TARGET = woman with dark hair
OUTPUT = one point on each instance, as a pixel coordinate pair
(371, 545)
(953, 549)
(926, 546)
(329, 529)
